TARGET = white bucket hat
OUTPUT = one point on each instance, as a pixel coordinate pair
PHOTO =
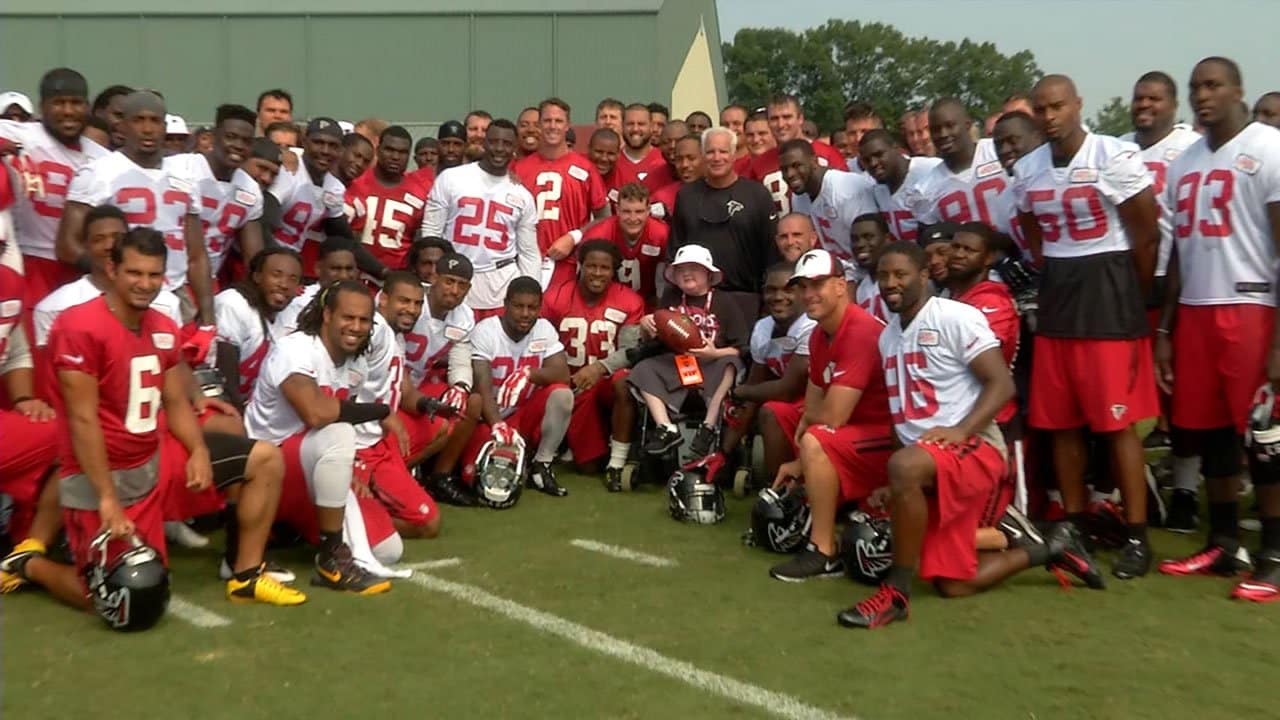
(175, 125)
(694, 255)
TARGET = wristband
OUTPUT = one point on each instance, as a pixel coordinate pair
(577, 237)
(464, 386)
(357, 412)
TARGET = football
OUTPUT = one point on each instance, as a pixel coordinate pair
(677, 330)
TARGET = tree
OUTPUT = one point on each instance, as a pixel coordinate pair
(831, 65)
(1112, 119)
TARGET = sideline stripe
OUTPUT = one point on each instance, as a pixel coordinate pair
(623, 553)
(774, 703)
(431, 564)
(188, 611)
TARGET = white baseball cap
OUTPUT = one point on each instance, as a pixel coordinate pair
(816, 265)
(16, 98)
(694, 255)
(175, 125)
(347, 128)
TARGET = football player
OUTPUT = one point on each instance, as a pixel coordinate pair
(895, 173)
(946, 380)
(425, 154)
(476, 122)
(568, 190)
(139, 180)
(385, 205)
(424, 255)
(274, 106)
(831, 198)
(1015, 134)
(639, 157)
(641, 241)
(734, 117)
(860, 118)
(759, 139)
(246, 314)
(336, 263)
(598, 319)
(301, 403)
(609, 115)
(665, 174)
(1267, 109)
(869, 234)
(528, 132)
(659, 116)
(108, 109)
(452, 140)
(1215, 345)
(688, 167)
(1087, 208)
(357, 155)
(698, 122)
(795, 236)
(51, 153)
(966, 184)
(785, 120)
(522, 377)
(489, 218)
(841, 428)
(603, 149)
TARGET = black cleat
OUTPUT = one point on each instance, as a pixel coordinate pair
(339, 571)
(543, 479)
(886, 606)
(1018, 529)
(446, 489)
(1067, 554)
(662, 441)
(1184, 512)
(1135, 560)
(808, 563)
(613, 479)
(704, 441)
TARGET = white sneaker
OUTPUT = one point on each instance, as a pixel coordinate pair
(279, 573)
(180, 533)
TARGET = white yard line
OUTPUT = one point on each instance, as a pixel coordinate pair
(189, 612)
(623, 553)
(432, 564)
(774, 703)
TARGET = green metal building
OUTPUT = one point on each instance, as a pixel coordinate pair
(415, 63)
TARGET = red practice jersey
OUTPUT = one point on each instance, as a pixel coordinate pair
(662, 202)
(567, 190)
(590, 332)
(996, 303)
(639, 269)
(627, 171)
(386, 219)
(851, 359)
(763, 168)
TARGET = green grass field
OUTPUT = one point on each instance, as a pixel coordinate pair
(508, 632)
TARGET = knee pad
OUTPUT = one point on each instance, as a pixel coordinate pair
(560, 401)
(1220, 453)
(327, 455)
(389, 551)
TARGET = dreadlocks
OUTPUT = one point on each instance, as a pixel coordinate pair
(246, 285)
(311, 318)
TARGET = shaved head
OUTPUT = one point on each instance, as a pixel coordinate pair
(1058, 82)
(1057, 108)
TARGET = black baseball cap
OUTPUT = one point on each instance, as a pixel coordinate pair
(456, 265)
(325, 126)
(452, 129)
(927, 235)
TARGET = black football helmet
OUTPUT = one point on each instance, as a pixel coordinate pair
(692, 493)
(867, 548)
(780, 520)
(500, 474)
(1262, 439)
(131, 591)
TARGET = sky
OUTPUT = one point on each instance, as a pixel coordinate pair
(1104, 45)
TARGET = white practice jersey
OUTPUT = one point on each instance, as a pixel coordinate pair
(490, 219)
(491, 343)
(45, 169)
(428, 345)
(775, 353)
(244, 327)
(269, 416)
(385, 364)
(926, 366)
(960, 197)
(150, 197)
(1076, 205)
(895, 208)
(1226, 253)
(225, 207)
(305, 205)
(1157, 159)
(844, 196)
(867, 295)
(82, 291)
(287, 319)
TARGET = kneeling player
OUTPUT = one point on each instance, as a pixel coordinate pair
(946, 381)
(523, 381)
(598, 318)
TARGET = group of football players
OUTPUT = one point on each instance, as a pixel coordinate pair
(287, 327)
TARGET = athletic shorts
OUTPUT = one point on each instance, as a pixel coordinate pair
(788, 415)
(860, 455)
(229, 456)
(1106, 385)
(298, 508)
(592, 419)
(383, 470)
(966, 478)
(82, 526)
(422, 430)
(1219, 362)
(27, 450)
(526, 420)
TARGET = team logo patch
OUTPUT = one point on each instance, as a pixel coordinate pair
(1083, 175)
(1171, 154)
(332, 198)
(734, 207)
(641, 176)
(538, 346)
(578, 173)
(10, 308)
(1118, 411)
(650, 250)
(179, 184)
(988, 169)
(828, 372)
(453, 332)
(162, 341)
(613, 195)
(244, 197)
(830, 213)
(354, 378)
(615, 315)
(927, 337)
(1247, 164)
(786, 344)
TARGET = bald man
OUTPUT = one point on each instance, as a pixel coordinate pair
(964, 187)
(1087, 209)
(795, 236)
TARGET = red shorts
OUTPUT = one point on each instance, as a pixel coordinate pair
(526, 420)
(83, 526)
(591, 422)
(299, 510)
(966, 479)
(482, 313)
(1219, 362)
(179, 502)
(788, 415)
(860, 454)
(27, 451)
(422, 430)
(1106, 385)
(384, 471)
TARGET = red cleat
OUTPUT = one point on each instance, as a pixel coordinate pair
(1264, 585)
(1213, 560)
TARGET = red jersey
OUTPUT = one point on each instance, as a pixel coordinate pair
(763, 168)
(660, 176)
(742, 165)
(628, 171)
(852, 359)
(996, 303)
(386, 219)
(639, 269)
(567, 190)
(590, 332)
(130, 370)
(11, 290)
(424, 175)
(662, 202)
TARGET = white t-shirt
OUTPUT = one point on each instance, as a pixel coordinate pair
(304, 205)
(82, 291)
(243, 326)
(776, 352)
(428, 345)
(844, 197)
(225, 206)
(45, 169)
(491, 343)
(894, 206)
(269, 416)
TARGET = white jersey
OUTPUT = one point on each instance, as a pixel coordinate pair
(926, 366)
(269, 416)
(1157, 159)
(82, 291)
(844, 196)
(45, 169)
(867, 295)
(150, 197)
(894, 206)
(775, 353)
(243, 326)
(966, 196)
(1076, 206)
(491, 343)
(1005, 217)
(287, 319)
(225, 206)
(490, 219)
(428, 345)
(305, 205)
(1226, 253)
(385, 363)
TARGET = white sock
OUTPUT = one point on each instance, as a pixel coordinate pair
(1096, 496)
(618, 452)
(1186, 473)
(669, 426)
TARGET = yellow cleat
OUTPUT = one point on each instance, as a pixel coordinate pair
(11, 577)
(263, 588)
